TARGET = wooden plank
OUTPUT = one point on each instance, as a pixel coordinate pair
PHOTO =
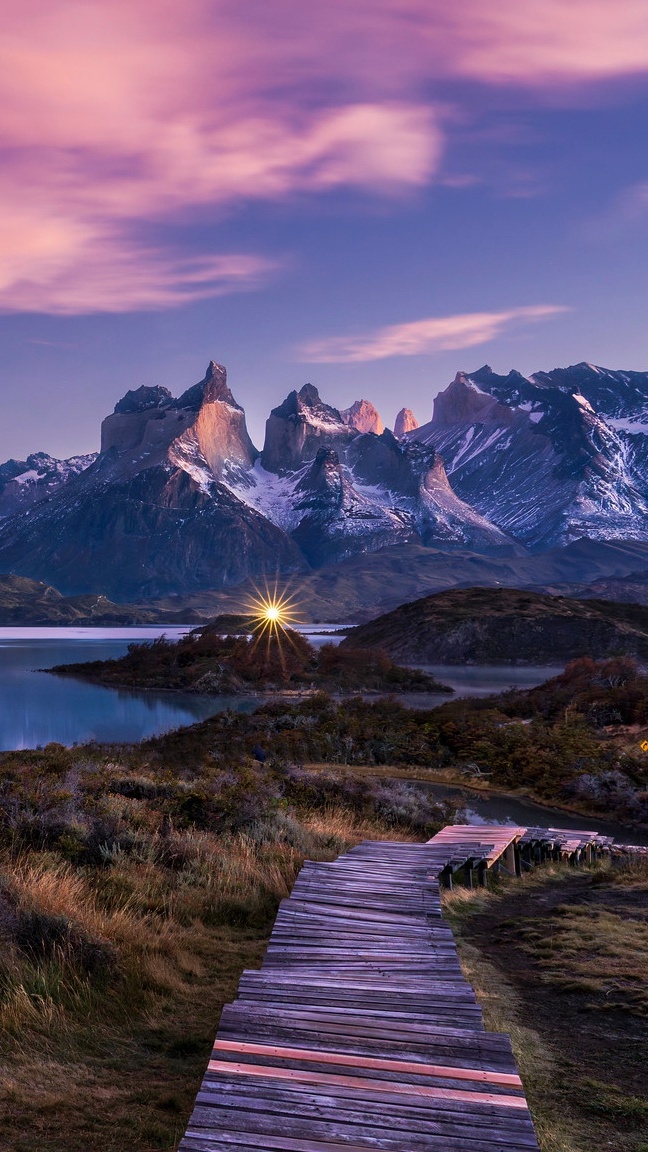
(305, 1076)
(421, 1069)
(410, 1115)
(354, 1034)
(361, 1097)
(311, 1123)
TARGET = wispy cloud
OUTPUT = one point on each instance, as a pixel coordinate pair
(122, 112)
(105, 274)
(421, 337)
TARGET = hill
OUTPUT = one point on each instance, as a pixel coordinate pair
(359, 588)
(505, 625)
(32, 603)
(362, 587)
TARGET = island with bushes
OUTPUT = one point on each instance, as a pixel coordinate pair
(208, 662)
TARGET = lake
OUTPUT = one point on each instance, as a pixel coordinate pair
(36, 708)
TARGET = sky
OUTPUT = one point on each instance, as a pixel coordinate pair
(369, 196)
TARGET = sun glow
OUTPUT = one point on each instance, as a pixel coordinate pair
(274, 615)
(273, 612)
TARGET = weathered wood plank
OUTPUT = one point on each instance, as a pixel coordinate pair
(385, 1065)
(359, 1109)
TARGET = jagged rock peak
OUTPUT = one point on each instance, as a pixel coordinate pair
(364, 417)
(306, 404)
(213, 387)
(388, 464)
(142, 399)
(463, 401)
(148, 421)
(405, 422)
(298, 427)
(309, 396)
(216, 387)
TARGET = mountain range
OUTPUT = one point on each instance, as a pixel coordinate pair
(179, 500)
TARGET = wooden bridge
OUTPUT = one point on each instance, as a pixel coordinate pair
(359, 1031)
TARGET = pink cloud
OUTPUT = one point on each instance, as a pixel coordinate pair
(421, 337)
(127, 111)
(106, 274)
(535, 42)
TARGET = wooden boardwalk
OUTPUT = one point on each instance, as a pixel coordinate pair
(360, 1031)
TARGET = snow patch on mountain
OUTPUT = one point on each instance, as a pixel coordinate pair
(25, 482)
(272, 495)
(635, 425)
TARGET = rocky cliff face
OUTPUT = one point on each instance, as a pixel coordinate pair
(298, 428)
(414, 476)
(363, 417)
(337, 520)
(203, 431)
(152, 515)
(405, 422)
(536, 457)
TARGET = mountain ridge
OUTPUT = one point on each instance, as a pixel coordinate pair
(551, 457)
(180, 500)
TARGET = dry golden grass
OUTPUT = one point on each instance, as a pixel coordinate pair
(594, 950)
(339, 828)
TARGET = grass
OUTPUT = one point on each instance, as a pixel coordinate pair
(113, 975)
(560, 962)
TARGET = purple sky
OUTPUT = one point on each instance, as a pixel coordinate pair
(368, 197)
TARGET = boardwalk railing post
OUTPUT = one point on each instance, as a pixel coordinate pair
(510, 862)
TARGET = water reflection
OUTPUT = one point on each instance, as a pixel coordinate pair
(36, 708)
